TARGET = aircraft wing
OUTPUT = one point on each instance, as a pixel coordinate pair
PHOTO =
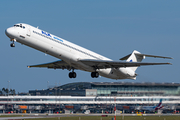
(103, 64)
(55, 65)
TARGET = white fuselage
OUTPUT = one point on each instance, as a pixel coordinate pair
(62, 49)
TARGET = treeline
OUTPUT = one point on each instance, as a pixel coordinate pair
(6, 91)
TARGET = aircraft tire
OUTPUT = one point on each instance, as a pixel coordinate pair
(94, 74)
(72, 75)
(12, 45)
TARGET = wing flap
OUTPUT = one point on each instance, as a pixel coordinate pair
(54, 65)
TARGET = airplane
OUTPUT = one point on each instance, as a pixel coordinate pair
(153, 108)
(73, 57)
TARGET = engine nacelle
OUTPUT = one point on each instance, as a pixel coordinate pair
(128, 72)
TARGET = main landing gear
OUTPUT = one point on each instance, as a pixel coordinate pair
(72, 74)
(94, 74)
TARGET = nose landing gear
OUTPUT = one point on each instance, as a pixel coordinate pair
(12, 44)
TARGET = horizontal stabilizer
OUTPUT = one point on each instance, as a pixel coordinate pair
(139, 54)
(145, 55)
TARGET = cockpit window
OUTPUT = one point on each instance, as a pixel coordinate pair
(20, 26)
(16, 25)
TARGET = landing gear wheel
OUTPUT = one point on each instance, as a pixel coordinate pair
(72, 75)
(12, 44)
(94, 74)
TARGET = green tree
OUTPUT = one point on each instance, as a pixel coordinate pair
(3, 91)
(6, 91)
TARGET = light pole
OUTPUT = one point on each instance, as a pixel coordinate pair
(47, 91)
(8, 87)
(60, 89)
(47, 84)
(8, 95)
(59, 97)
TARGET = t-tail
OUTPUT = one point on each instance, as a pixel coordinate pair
(136, 56)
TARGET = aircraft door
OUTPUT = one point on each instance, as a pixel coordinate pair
(28, 31)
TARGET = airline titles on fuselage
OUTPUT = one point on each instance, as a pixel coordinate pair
(49, 35)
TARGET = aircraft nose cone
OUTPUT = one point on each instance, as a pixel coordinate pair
(9, 32)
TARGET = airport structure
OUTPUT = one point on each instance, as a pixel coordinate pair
(112, 89)
(95, 97)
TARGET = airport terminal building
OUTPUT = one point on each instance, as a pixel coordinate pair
(112, 89)
(96, 97)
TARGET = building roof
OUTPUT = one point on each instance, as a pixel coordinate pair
(135, 84)
(88, 85)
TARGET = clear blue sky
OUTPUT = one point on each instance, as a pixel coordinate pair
(110, 28)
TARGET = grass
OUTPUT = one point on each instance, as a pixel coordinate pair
(110, 118)
(10, 116)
